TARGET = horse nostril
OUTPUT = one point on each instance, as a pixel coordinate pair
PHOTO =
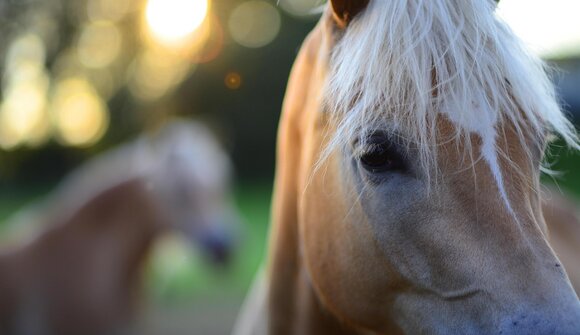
(540, 323)
(217, 246)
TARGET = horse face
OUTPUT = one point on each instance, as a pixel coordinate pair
(454, 250)
(392, 246)
(390, 249)
(193, 184)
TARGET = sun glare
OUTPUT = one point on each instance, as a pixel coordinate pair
(173, 20)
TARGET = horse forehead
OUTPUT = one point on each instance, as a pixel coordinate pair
(198, 165)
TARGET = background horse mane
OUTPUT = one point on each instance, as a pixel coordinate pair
(481, 75)
(91, 178)
(176, 143)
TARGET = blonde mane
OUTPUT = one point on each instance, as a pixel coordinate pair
(403, 63)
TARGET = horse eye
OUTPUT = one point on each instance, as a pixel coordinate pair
(380, 156)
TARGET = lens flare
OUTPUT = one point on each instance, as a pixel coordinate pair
(173, 20)
(233, 80)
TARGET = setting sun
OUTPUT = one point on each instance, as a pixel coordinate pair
(172, 20)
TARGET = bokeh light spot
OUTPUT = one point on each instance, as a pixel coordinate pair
(233, 80)
(113, 10)
(26, 49)
(173, 20)
(155, 73)
(254, 24)
(23, 115)
(99, 44)
(80, 116)
(22, 112)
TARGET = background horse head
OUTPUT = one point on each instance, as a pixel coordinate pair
(192, 183)
(187, 175)
(82, 273)
(407, 192)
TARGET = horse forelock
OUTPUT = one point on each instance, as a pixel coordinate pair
(407, 63)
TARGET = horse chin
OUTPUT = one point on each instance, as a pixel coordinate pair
(474, 315)
(217, 245)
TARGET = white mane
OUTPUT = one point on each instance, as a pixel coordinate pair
(404, 62)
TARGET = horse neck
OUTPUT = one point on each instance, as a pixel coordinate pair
(94, 254)
(294, 306)
(110, 235)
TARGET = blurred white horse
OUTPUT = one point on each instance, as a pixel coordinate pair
(81, 273)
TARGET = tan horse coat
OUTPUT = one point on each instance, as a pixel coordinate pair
(563, 219)
(295, 306)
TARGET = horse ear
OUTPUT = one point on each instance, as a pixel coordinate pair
(345, 10)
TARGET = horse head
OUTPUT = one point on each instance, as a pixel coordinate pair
(190, 177)
(407, 193)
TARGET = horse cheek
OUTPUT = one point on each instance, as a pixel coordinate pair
(340, 252)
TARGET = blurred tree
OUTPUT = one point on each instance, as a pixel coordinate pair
(103, 48)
